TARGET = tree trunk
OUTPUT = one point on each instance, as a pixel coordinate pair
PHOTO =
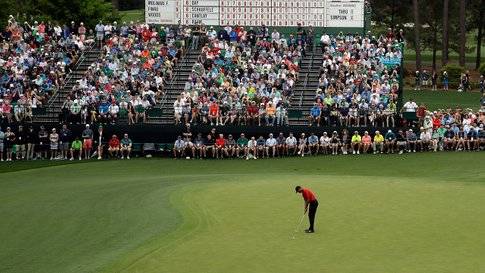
(116, 4)
(462, 33)
(435, 38)
(417, 40)
(444, 53)
(481, 25)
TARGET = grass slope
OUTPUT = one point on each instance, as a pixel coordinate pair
(412, 213)
(444, 99)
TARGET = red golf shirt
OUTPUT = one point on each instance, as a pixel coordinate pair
(220, 142)
(308, 195)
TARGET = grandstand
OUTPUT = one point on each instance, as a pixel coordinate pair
(302, 98)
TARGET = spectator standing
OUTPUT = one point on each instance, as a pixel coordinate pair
(9, 142)
(99, 28)
(65, 138)
(54, 143)
(445, 81)
(43, 138)
(31, 141)
(2, 146)
(21, 142)
(417, 81)
(100, 143)
(434, 80)
(87, 136)
(481, 84)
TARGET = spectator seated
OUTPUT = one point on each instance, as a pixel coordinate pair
(129, 79)
(359, 81)
(242, 77)
(34, 61)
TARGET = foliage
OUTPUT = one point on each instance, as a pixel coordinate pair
(481, 69)
(454, 72)
(61, 11)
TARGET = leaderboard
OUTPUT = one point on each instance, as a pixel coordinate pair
(318, 13)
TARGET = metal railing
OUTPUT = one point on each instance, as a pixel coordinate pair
(69, 77)
(182, 62)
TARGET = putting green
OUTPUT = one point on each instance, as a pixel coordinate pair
(413, 215)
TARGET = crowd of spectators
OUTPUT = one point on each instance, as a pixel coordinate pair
(425, 80)
(442, 138)
(35, 58)
(359, 80)
(243, 76)
(137, 62)
(27, 143)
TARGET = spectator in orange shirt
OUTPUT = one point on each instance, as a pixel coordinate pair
(270, 114)
(214, 113)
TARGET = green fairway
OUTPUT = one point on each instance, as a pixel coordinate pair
(444, 99)
(410, 213)
(134, 15)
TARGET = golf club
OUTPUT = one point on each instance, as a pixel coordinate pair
(298, 226)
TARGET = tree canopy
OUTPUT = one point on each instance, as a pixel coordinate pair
(61, 11)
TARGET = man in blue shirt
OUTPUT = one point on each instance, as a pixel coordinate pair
(313, 144)
(260, 143)
(315, 113)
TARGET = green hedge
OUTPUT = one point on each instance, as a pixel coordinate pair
(454, 73)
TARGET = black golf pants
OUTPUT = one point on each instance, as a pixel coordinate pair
(312, 210)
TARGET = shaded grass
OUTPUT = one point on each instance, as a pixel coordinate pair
(444, 99)
(132, 15)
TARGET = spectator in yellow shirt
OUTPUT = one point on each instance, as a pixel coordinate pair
(378, 143)
(356, 143)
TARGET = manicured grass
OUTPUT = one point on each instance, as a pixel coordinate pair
(444, 99)
(132, 15)
(410, 213)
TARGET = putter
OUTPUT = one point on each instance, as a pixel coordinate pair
(298, 227)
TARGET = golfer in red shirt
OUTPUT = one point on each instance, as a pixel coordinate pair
(310, 202)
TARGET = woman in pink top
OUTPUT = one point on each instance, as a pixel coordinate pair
(366, 142)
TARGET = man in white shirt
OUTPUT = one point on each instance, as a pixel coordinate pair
(252, 145)
(179, 147)
(271, 145)
(410, 106)
(113, 110)
(291, 144)
(324, 143)
(178, 107)
(424, 139)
